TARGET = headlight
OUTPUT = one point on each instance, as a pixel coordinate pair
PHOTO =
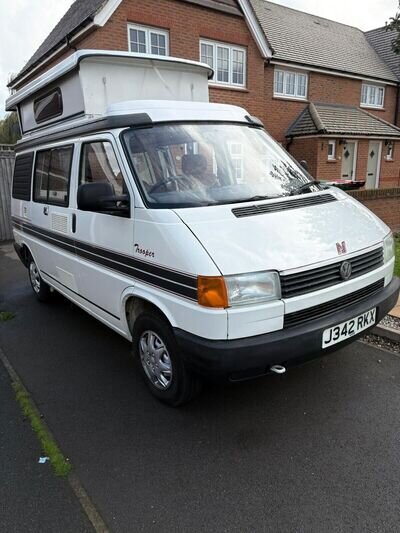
(388, 247)
(253, 288)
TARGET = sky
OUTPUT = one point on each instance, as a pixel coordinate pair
(24, 24)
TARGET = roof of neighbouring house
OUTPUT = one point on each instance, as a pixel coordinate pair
(306, 39)
(82, 12)
(382, 39)
(332, 119)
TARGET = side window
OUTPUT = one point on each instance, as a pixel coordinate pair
(21, 189)
(41, 176)
(99, 164)
(52, 173)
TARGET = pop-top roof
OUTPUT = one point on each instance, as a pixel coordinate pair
(87, 83)
(73, 61)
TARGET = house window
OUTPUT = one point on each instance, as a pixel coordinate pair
(288, 83)
(331, 150)
(227, 61)
(389, 151)
(145, 40)
(372, 95)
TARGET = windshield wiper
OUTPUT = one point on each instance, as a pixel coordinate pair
(304, 187)
(255, 198)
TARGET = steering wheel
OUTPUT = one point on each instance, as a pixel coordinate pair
(171, 179)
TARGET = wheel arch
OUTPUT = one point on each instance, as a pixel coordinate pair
(136, 300)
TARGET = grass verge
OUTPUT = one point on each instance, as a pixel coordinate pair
(6, 315)
(60, 465)
(397, 254)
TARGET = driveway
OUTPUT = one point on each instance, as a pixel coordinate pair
(315, 450)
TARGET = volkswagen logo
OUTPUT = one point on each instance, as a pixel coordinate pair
(345, 270)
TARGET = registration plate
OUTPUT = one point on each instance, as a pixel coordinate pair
(348, 329)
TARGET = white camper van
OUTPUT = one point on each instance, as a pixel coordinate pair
(183, 226)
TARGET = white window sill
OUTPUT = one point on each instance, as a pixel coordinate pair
(365, 106)
(293, 98)
(215, 85)
(331, 160)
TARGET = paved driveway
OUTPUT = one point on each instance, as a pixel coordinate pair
(316, 450)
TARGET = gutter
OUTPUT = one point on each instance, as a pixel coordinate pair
(55, 51)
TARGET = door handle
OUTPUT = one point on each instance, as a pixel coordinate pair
(73, 223)
(45, 210)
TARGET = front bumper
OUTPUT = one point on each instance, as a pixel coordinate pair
(253, 356)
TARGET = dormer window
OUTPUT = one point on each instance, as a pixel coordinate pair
(147, 40)
(372, 95)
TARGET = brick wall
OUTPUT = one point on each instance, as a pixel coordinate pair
(384, 203)
(306, 149)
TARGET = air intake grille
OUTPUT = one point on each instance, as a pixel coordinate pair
(296, 203)
(327, 308)
(319, 278)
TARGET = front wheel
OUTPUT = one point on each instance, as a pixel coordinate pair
(164, 371)
(40, 288)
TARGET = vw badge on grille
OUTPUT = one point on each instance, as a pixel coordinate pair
(345, 270)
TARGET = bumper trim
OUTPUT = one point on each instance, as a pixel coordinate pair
(253, 356)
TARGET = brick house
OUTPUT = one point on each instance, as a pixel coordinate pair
(283, 77)
(381, 40)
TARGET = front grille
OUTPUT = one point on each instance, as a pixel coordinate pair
(327, 308)
(261, 209)
(319, 278)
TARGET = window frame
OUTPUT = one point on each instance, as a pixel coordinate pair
(332, 157)
(389, 151)
(148, 31)
(377, 88)
(52, 149)
(231, 48)
(56, 90)
(125, 182)
(286, 73)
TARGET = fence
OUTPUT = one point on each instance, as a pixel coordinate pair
(6, 170)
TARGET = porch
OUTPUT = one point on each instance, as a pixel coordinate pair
(341, 143)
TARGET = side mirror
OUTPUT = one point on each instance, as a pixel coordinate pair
(100, 197)
(304, 164)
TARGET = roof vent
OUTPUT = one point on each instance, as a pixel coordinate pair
(273, 207)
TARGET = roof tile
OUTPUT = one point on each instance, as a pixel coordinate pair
(311, 40)
(331, 119)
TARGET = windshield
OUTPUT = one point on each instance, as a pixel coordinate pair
(190, 165)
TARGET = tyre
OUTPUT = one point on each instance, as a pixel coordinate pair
(163, 369)
(39, 287)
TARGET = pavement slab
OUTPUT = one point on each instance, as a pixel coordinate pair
(313, 450)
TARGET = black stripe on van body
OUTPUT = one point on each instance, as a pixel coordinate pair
(164, 278)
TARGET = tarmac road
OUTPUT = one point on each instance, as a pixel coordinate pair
(315, 450)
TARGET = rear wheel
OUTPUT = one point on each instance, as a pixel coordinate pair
(40, 288)
(161, 364)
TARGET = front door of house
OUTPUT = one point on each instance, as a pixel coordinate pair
(374, 149)
(348, 161)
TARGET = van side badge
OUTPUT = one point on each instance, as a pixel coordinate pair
(143, 251)
(341, 247)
